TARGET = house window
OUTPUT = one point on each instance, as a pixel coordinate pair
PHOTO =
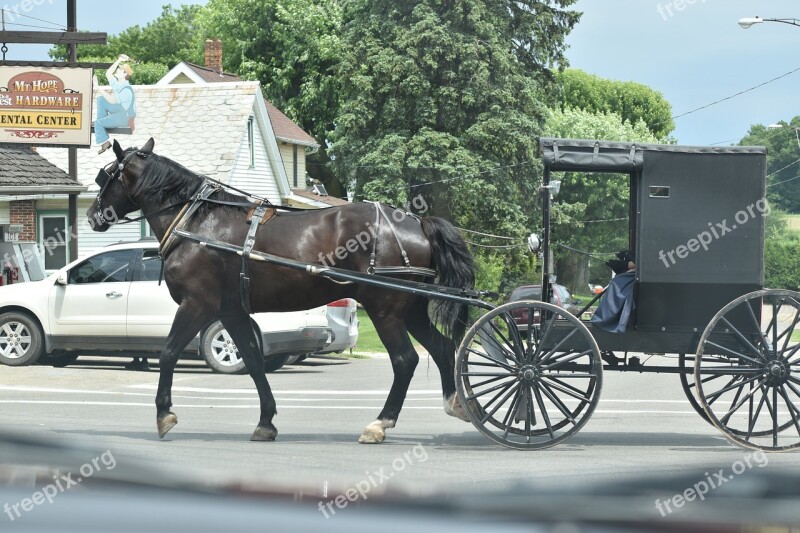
(251, 142)
(53, 239)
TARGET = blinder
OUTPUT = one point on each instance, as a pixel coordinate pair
(108, 173)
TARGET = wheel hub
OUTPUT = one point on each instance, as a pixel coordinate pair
(528, 373)
(777, 373)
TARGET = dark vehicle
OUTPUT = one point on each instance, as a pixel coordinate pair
(560, 297)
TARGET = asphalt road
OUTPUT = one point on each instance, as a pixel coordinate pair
(643, 427)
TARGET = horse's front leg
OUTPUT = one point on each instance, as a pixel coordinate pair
(394, 336)
(241, 331)
(189, 319)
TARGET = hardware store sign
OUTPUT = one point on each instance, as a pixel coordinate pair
(46, 106)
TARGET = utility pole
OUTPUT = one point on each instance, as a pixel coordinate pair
(72, 151)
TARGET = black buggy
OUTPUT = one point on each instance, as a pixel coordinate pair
(696, 225)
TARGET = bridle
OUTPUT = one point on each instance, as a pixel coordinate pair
(110, 172)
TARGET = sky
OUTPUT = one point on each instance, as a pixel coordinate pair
(696, 56)
(692, 51)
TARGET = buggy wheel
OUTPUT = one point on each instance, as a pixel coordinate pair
(528, 374)
(686, 374)
(747, 370)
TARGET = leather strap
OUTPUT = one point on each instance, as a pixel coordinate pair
(256, 219)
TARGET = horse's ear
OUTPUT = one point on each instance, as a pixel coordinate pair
(118, 151)
(148, 146)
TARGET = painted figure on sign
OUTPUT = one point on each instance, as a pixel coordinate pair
(116, 110)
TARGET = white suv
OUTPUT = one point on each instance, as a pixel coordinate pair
(111, 303)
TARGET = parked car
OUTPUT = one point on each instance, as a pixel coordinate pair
(111, 303)
(561, 297)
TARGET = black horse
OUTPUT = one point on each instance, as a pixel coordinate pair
(206, 282)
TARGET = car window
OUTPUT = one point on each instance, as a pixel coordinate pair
(107, 267)
(526, 293)
(150, 267)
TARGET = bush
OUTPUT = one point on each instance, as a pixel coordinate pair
(782, 264)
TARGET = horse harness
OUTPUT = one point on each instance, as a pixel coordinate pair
(261, 213)
(258, 214)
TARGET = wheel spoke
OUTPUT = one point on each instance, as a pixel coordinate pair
(490, 389)
(558, 403)
(775, 416)
(725, 418)
(485, 374)
(529, 414)
(499, 404)
(793, 411)
(489, 358)
(514, 330)
(729, 371)
(492, 380)
(512, 412)
(487, 336)
(515, 355)
(545, 416)
(743, 339)
(761, 337)
(561, 359)
(568, 392)
(556, 348)
(545, 335)
(734, 352)
(754, 417)
(730, 386)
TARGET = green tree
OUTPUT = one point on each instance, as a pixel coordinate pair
(173, 37)
(631, 101)
(783, 145)
(293, 48)
(444, 99)
(591, 211)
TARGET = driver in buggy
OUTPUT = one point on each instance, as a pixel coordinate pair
(617, 305)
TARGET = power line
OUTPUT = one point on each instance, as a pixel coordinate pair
(737, 94)
(57, 25)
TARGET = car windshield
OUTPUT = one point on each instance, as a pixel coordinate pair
(415, 265)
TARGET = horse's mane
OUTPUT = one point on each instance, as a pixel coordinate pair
(163, 180)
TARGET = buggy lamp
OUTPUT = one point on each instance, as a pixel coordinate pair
(553, 187)
(534, 243)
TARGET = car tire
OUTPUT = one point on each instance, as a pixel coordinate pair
(21, 339)
(275, 362)
(219, 351)
(58, 358)
(294, 359)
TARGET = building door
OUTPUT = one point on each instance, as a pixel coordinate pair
(53, 240)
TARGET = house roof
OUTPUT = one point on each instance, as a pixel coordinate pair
(210, 75)
(322, 198)
(197, 125)
(23, 170)
(286, 130)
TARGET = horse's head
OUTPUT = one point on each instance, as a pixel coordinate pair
(116, 181)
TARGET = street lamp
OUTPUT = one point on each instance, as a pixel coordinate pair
(747, 22)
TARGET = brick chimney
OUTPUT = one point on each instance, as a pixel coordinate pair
(214, 55)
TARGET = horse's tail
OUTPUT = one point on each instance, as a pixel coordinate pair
(456, 268)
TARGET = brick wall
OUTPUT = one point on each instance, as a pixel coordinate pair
(214, 54)
(24, 212)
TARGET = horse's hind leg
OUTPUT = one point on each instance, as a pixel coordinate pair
(241, 331)
(393, 334)
(189, 319)
(442, 351)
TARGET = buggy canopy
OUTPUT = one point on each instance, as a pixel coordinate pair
(585, 155)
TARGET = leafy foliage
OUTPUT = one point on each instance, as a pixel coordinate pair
(631, 101)
(445, 99)
(171, 38)
(293, 48)
(783, 147)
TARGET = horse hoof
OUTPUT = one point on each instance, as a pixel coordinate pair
(372, 435)
(264, 434)
(165, 423)
(453, 408)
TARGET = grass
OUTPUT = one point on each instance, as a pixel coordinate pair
(368, 340)
(794, 222)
